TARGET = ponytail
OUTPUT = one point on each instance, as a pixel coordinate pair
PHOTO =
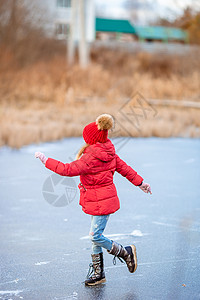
(80, 152)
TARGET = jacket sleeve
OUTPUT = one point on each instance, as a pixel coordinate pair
(75, 168)
(128, 172)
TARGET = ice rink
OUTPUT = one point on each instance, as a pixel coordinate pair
(45, 248)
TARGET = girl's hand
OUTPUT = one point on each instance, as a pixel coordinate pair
(145, 187)
(41, 156)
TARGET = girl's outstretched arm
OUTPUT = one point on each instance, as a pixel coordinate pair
(75, 168)
(131, 175)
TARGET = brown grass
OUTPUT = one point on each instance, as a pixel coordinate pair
(49, 100)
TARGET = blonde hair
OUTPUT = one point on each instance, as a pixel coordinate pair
(82, 149)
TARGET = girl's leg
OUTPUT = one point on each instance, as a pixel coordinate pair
(95, 249)
(98, 225)
(128, 254)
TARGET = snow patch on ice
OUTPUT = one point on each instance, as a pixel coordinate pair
(137, 233)
(164, 224)
(118, 236)
(42, 263)
(15, 293)
(73, 296)
(12, 281)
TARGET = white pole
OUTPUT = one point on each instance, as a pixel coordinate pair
(71, 36)
(83, 47)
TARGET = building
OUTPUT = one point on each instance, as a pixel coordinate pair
(161, 33)
(58, 14)
(117, 29)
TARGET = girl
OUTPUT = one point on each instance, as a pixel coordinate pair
(96, 163)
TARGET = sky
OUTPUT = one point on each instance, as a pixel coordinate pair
(147, 10)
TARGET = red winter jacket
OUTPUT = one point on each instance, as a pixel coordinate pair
(96, 167)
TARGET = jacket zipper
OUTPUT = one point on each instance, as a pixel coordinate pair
(83, 186)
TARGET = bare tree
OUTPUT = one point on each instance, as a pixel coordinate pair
(17, 21)
(23, 33)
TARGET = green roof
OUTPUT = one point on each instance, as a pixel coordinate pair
(112, 25)
(143, 32)
(160, 33)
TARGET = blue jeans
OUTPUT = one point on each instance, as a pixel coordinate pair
(98, 224)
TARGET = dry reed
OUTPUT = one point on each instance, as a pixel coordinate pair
(49, 100)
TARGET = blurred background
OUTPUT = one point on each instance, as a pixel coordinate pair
(63, 62)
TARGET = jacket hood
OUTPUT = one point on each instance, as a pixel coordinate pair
(102, 151)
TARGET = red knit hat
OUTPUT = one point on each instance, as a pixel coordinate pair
(98, 131)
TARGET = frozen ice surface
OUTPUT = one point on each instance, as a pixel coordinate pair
(43, 254)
